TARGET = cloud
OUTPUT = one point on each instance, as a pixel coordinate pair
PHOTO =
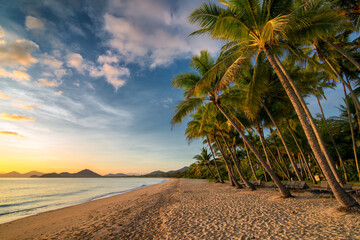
(164, 102)
(54, 65)
(43, 82)
(27, 107)
(58, 93)
(108, 58)
(108, 68)
(7, 133)
(17, 75)
(17, 52)
(153, 32)
(3, 95)
(33, 23)
(138, 45)
(115, 75)
(75, 60)
(2, 33)
(15, 117)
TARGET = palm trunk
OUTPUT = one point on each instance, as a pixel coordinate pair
(353, 95)
(303, 168)
(340, 194)
(303, 112)
(332, 139)
(345, 54)
(316, 163)
(250, 163)
(281, 160)
(312, 178)
(231, 175)
(246, 182)
(211, 172)
(277, 162)
(356, 109)
(352, 133)
(263, 146)
(298, 146)
(216, 166)
(283, 141)
(284, 191)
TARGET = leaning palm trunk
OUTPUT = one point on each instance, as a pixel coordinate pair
(299, 148)
(339, 76)
(281, 159)
(283, 142)
(352, 133)
(277, 162)
(216, 166)
(340, 194)
(211, 172)
(303, 168)
(345, 54)
(303, 112)
(284, 191)
(250, 163)
(312, 178)
(231, 175)
(356, 109)
(263, 145)
(246, 182)
(332, 139)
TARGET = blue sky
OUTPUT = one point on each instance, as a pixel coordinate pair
(86, 84)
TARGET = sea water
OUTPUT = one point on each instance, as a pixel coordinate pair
(21, 197)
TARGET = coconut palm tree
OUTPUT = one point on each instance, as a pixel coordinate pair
(203, 159)
(251, 27)
(195, 96)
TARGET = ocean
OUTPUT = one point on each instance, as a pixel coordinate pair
(22, 197)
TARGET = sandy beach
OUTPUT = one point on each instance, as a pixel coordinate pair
(192, 209)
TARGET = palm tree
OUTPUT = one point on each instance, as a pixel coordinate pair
(252, 26)
(203, 159)
(215, 159)
(196, 94)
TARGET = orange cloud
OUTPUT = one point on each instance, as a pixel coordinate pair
(15, 117)
(58, 93)
(3, 95)
(17, 75)
(17, 52)
(43, 82)
(7, 133)
(28, 107)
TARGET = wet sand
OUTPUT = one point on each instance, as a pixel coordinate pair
(192, 209)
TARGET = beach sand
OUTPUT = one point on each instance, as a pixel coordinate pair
(192, 209)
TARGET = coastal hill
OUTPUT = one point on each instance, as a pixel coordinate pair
(116, 175)
(14, 174)
(86, 173)
(172, 174)
(155, 173)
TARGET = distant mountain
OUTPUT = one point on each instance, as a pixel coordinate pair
(158, 172)
(116, 175)
(14, 174)
(86, 173)
(179, 170)
(155, 173)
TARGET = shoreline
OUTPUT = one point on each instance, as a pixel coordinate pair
(92, 198)
(30, 225)
(191, 209)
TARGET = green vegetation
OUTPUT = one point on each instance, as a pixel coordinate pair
(248, 106)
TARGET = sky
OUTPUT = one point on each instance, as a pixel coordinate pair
(87, 84)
